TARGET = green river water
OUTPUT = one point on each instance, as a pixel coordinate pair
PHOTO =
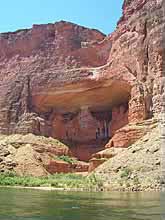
(27, 204)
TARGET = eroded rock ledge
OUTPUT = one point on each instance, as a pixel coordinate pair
(81, 87)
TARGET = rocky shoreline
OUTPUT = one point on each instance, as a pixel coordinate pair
(137, 168)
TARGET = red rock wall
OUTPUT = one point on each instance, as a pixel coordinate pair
(82, 126)
(52, 70)
(137, 55)
(39, 58)
(119, 118)
(80, 131)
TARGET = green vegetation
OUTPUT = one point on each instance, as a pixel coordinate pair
(136, 181)
(66, 181)
(66, 158)
(129, 180)
(125, 173)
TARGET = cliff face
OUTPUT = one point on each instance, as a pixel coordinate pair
(80, 86)
(138, 52)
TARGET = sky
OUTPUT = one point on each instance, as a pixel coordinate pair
(98, 14)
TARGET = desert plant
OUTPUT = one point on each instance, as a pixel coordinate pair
(66, 158)
(125, 172)
(69, 180)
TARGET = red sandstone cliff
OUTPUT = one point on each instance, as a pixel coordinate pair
(80, 86)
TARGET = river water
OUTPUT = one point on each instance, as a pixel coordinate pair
(30, 204)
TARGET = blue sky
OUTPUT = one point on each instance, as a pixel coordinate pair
(99, 14)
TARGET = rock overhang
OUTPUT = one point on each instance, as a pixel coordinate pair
(95, 95)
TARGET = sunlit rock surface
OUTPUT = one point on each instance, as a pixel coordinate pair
(81, 87)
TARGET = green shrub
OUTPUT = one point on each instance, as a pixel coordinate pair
(125, 172)
(66, 158)
(127, 185)
(69, 180)
(136, 181)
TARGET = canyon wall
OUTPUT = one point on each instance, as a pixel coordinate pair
(80, 86)
(137, 53)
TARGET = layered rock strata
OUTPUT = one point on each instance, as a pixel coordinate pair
(79, 86)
